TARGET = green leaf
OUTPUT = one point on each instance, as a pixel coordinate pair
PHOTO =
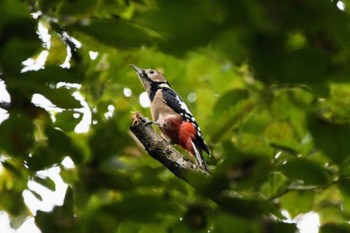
(66, 121)
(64, 144)
(37, 195)
(335, 228)
(344, 185)
(46, 182)
(305, 171)
(232, 108)
(242, 207)
(242, 171)
(228, 100)
(278, 227)
(134, 207)
(77, 8)
(180, 34)
(16, 135)
(121, 33)
(57, 146)
(104, 142)
(195, 218)
(62, 98)
(11, 10)
(297, 202)
(19, 42)
(345, 168)
(60, 214)
(330, 137)
(223, 222)
(54, 75)
(12, 202)
(45, 5)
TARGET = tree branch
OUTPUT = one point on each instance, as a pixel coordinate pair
(214, 187)
(161, 150)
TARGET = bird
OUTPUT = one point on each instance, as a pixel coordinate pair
(172, 115)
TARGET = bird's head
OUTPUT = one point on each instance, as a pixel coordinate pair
(150, 77)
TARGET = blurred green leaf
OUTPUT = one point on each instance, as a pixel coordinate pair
(46, 182)
(244, 207)
(344, 185)
(242, 171)
(64, 144)
(228, 100)
(79, 7)
(54, 75)
(36, 194)
(305, 171)
(45, 5)
(335, 228)
(57, 146)
(330, 137)
(223, 222)
(345, 168)
(12, 202)
(143, 208)
(276, 227)
(121, 33)
(67, 120)
(103, 141)
(178, 33)
(17, 135)
(306, 200)
(195, 218)
(11, 10)
(61, 218)
(19, 40)
(61, 97)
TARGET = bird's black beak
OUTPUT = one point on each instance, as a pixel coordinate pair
(142, 76)
(138, 70)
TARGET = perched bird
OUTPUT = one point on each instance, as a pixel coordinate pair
(172, 115)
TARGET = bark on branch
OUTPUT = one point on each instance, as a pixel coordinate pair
(161, 150)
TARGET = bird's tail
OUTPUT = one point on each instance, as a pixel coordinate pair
(199, 157)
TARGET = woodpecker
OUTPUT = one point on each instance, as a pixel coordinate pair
(172, 115)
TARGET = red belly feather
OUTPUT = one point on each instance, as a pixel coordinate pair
(180, 132)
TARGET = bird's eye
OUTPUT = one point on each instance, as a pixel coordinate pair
(151, 71)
